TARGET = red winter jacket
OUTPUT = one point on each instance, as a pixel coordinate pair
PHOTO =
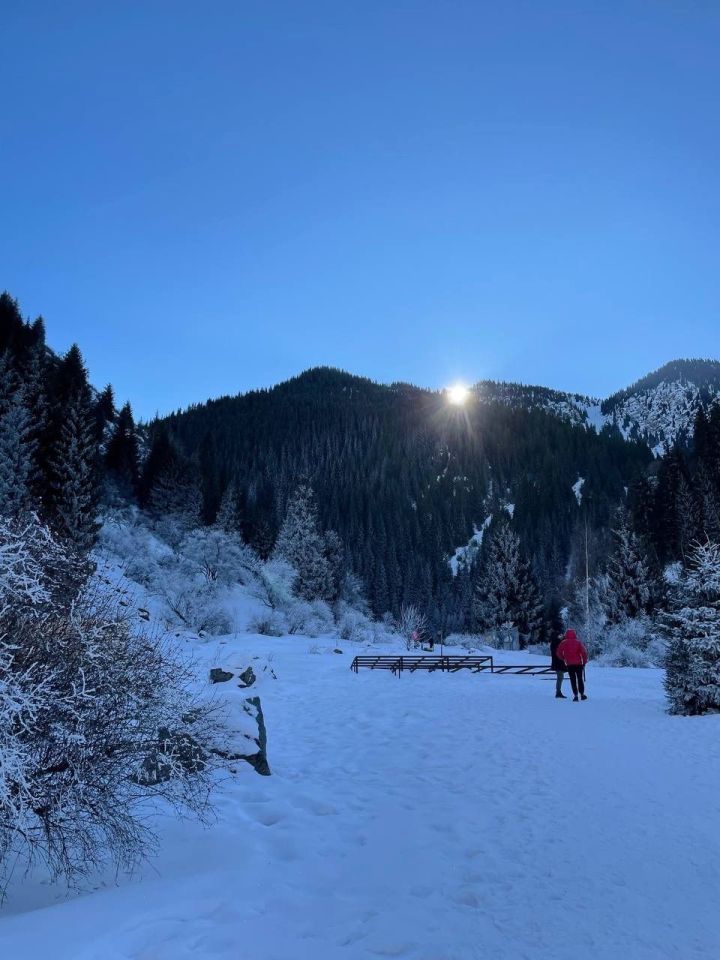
(572, 651)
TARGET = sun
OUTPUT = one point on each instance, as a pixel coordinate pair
(457, 394)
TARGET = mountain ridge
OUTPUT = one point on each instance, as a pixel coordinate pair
(658, 409)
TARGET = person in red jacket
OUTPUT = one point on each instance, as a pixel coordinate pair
(574, 656)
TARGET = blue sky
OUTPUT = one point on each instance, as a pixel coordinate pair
(211, 197)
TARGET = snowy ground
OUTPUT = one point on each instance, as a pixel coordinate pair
(430, 818)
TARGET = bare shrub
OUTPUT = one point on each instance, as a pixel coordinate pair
(96, 718)
(412, 625)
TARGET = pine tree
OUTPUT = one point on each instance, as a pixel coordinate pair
(176, 494)
(75, 476)
(709, 503)
(301, 544)
(212, 484)
(688, 516)
(35, 377)
(71, 500)
(122, 456)
(641, 505)
(104, 411)
(160, 457)
(11, 323)
(170, 487)
(15, 444)
(334, 551)
(631, 586)
(260, 535)
(506, 591)
(228, 516)
(692, 625)
(668, 532)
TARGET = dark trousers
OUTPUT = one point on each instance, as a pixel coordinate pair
(558, 683)
(576, 679)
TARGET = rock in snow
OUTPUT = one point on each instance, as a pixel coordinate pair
(258, 760)
(218, 675)
(247, 678)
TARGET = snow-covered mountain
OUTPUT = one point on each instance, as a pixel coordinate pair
(575, 408)
(659, 409)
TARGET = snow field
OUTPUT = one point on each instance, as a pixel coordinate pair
(431, 817)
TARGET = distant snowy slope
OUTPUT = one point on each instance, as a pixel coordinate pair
(659, 409)
(574, 408)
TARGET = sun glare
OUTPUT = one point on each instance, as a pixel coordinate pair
(457, 394)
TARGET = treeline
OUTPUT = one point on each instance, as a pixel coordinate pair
(63, 445)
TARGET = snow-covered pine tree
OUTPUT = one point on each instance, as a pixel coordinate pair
(75, 475)
(301, 544)
(630, 584)
(228, 516)
(506, 590)
(335, 556)
(16, 446)
(176, 494)
(170, 487)
(692, 626)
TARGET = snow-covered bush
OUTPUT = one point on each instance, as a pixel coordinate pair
(287, 613)
(468, 641)
(274, 584)
(352, 593)
(692, 626)
(222, 557)
(196, 605)
(296, 617)
(191, 579)
(95, 716)
(127, 538)
(356, 626)
(311, 619)
(271, 623)
(196, 576)
(631, 643)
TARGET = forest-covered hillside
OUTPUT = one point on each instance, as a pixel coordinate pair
(404, 478)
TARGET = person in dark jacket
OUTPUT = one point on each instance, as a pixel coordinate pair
(574, 655)
(558, 666)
